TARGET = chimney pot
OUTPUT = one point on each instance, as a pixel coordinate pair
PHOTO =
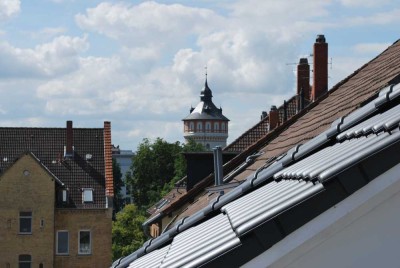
(320, 38)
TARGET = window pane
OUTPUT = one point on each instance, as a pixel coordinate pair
(84, 242)
(62, 242)
(87, 195)
(24, 261)
(25, 222)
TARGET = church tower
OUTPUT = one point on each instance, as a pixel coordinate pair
(206, 124)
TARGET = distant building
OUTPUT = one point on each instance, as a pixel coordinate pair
(124, 159)
(206, 124)
(56, 192)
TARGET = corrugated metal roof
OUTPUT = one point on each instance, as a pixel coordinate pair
(195, 246)
(153, 259)
(377, 133)
(247, 212)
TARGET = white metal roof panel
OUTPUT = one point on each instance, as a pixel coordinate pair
(266, 202)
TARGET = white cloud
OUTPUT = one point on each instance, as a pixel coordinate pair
(55, 58)
(48, 32)
(9, 8)
(380, 18)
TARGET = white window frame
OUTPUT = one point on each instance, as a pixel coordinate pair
(25, 217)
(62, 253)
(87, 198)
(89, 252)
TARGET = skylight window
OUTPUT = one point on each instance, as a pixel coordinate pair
(87, 195)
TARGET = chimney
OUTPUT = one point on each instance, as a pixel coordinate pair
(273, 118)
(303, 78)
(284, 111)
(218, 170)
(69, 151)
(108, 160)
(320, 84)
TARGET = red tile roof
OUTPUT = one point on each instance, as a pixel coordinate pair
(48, 144)
(342, 99)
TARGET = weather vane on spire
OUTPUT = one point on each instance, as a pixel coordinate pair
(205, 68)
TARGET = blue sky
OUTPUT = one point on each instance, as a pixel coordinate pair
(140, 64)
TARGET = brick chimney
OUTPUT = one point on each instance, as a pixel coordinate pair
(273, 118)
(108, 159)
(303, 78)
(69, 150)
(320, 84)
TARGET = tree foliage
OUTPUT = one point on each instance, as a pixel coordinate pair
(127, 233)
(156, 167)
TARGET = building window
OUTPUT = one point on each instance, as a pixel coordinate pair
(25, 222)
(191, 127)
(85, 246)
(64, 195)
(208, 126)
(199, 126)
(223, 126)
(24, 261)
(62, 242)
(216, 127)
(87, 195)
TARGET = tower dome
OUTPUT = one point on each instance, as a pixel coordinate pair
(206, 124)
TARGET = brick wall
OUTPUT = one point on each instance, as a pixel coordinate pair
(98, 221)
(32, 190)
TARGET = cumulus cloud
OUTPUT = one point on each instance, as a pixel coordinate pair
(46, 60)
(9, 8)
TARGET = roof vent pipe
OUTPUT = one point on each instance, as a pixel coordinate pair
(218, 170)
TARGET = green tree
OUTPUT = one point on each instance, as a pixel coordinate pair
(152, 167)
(118, 183)
(180, 164)
(127, 232)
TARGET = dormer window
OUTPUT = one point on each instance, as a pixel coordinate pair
(87, 195)
(64, 195)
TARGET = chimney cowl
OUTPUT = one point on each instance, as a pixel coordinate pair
(303, 61)
(320, 38)
(273, 108)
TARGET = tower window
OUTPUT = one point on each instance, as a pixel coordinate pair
(191, 127)
(199, 126)
(216, 127)
(223, 126)
(208, 126)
